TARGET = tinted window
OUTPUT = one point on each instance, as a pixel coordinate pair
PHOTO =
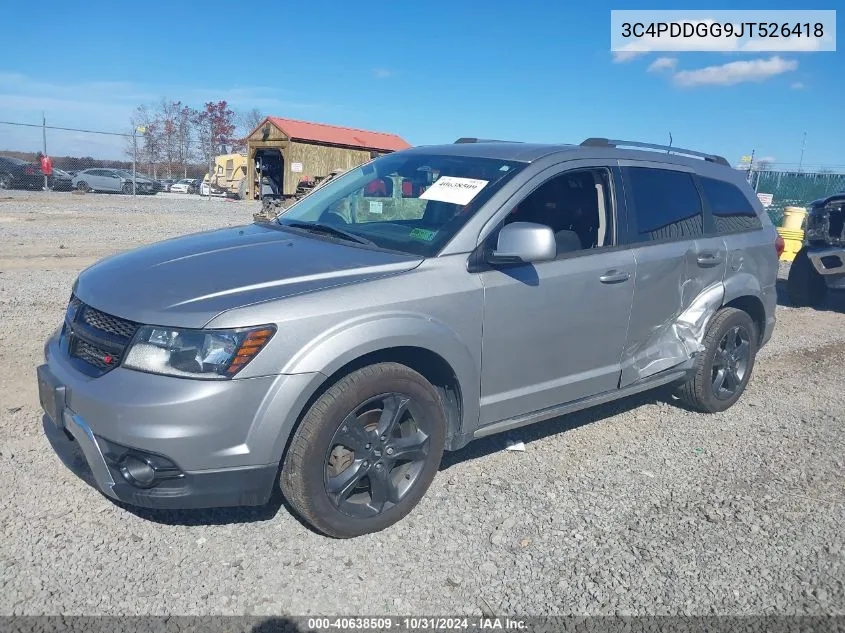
(666, 203)
(731, 210)
(575, 205)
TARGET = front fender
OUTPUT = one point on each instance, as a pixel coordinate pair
(349, 340)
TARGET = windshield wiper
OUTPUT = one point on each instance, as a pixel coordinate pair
(319, 227)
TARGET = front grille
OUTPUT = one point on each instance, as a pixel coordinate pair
(96, 341)
(108, 323)
(93, 355)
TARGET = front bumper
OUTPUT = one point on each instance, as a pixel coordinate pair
(79, 449)
(224, 438)
(828, 261)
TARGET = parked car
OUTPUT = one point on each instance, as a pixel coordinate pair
(19, 174)
(61, 180)
(166, 184)
(112, 180)
(336, 351)
(820, 264)
(186, 185)
(216, 191)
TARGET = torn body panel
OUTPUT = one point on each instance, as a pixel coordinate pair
(676, 343)
(678, 288)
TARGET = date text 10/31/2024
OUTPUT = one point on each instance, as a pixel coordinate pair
(417, 623)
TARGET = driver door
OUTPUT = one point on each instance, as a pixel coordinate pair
(554, 331)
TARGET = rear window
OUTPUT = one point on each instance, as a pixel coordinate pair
(666, 204)
(732, 212)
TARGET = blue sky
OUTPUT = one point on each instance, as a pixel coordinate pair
(430, 71)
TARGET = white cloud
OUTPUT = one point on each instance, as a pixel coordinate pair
(797, 86)
(626, 55)
(733, 73)
(382, 73)
(786, 44)
(663, 63)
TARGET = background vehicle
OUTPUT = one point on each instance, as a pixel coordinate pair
(820, 264)
(343, 342)
(165, 184)
(215, 190)
(186, 185)
(113, 181)
(19, 174)
(61, 180)
(230, 172)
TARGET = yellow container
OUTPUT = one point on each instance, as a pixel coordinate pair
(793, 218)
(793, 240)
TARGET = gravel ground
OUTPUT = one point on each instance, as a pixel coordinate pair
(638, 507)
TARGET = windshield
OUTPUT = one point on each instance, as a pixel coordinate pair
(412, 203)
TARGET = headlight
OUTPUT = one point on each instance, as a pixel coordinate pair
(210, 354)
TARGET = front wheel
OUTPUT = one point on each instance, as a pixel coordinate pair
(5, 181)
(82, 186)
(724, 365)
(127, 188)
(366, 451)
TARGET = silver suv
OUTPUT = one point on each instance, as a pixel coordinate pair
(425, 299)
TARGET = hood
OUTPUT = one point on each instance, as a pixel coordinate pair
(187, 281)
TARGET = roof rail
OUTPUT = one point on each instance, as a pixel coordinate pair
(468, 139)
(607, 142)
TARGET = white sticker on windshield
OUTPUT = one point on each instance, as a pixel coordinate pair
(376, 207)
(455, 190)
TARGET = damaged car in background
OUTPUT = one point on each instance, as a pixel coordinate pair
(820, 264)
(428, 298)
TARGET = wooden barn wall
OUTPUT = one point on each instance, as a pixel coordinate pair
(319, 160)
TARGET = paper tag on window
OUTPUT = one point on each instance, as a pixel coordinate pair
(455, 190)
(376, 206)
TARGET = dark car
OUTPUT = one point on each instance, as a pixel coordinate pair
(820, 264)
(61, 180)
(19, 174)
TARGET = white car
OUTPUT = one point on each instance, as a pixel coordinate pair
(214, 191)
(186, 185)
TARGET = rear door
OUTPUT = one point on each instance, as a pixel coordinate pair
(681, 263)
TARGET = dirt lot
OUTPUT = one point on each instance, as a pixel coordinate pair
(635, 507)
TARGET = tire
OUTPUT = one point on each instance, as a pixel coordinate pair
(82, 186)
(352, 410)
(805, 286)
(700, 391)
(127, 188)
(6, 181)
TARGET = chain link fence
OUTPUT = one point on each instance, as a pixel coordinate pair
(108, 162)
(795, 189)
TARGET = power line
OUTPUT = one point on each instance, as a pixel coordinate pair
(66, 129)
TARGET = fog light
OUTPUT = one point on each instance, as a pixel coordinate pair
(137, 471)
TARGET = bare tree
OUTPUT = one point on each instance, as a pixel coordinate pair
(184, 131)
(149, 143)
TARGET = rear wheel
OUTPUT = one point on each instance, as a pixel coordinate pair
(724, 365)
(805, 286)
(366, 451)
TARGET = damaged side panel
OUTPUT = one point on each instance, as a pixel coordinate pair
(678, 288)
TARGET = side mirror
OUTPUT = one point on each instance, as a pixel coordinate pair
(523, 243)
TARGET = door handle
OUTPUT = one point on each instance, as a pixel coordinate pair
(614, 277)
(709, 259)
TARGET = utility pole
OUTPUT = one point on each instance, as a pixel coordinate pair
(142, 130)
(803, 144)
(44, 144)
